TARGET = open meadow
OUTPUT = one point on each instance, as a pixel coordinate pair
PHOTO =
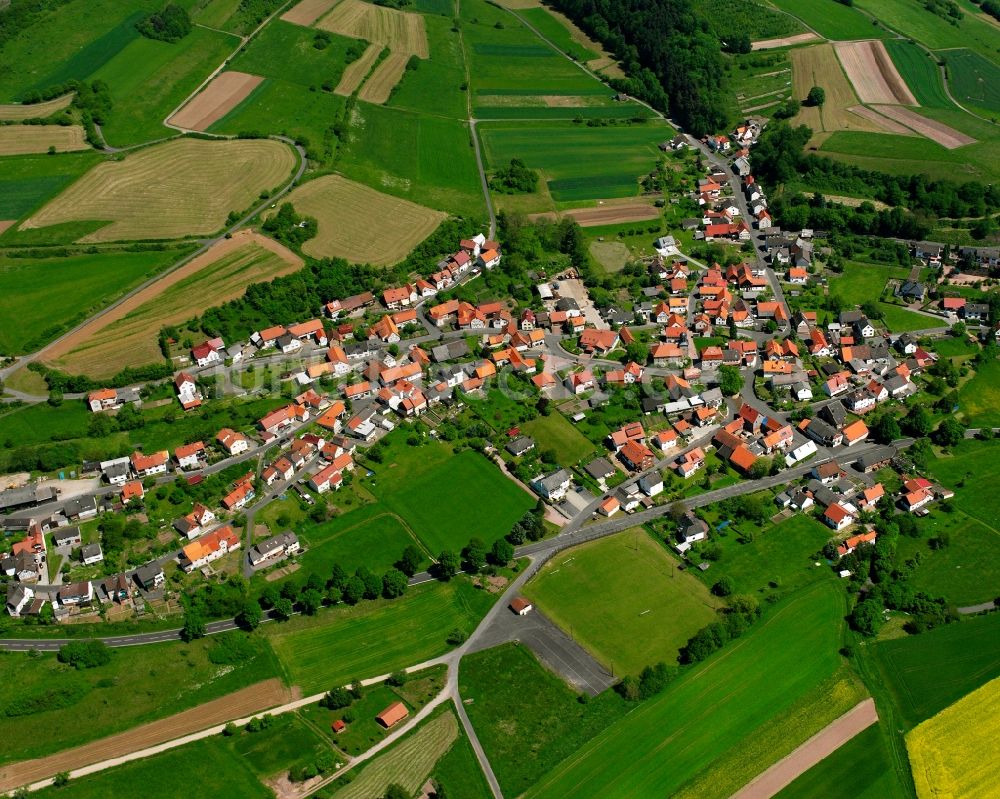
(345, 211)
(181, 188)
(372, 638)
(860, 282)
(785, 662)
(527, 719)
(624, 600)
(45, 296)
(128, 334)
(434, 86)
(30, 139)
(925, 673)
(947, 753)
(979, 398)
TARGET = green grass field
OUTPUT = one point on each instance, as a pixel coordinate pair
(979, 399)
(45, 296)
(556, 432)
(920, 72)
(901, 320)
(557, 33)
(215, 13)
(756, 19)
(459, 772)
(624, 600)
(159, 680)
(149, 79)
(70, 42)
(28, 181)
(972, 470)
(433, 490)
(434, 88)
(833, 20)
(974, 80)
(925, 673)
(860, 769)
(374, 638)
(527, 719)
(578, 163)
(714, 707)
(420, 158)
(859, 282)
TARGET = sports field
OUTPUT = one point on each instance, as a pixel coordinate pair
(360, 224)
(577, 163)
(377, 637)
(556, 432)
(128, 334)
(29, 139)
(432, 490)
(18, 112)
(947, 751)
(713, 707)
(526, 718)
(45, 296)
(408, 764)
(624, 600)
(925, 673)
(832, 20)
(860, 769)
(181, 188)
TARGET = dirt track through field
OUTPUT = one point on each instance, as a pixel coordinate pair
(357, 70)
(28, 139)
(221, 96)
(872, 73)
(785, 41)
(935, 131)
(17, 112)
(379, 86)
(99, 349)
(308, 11)
(821, 745)
(245, 702)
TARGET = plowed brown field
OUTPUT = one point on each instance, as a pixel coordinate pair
(308, 11)
(933, 130)
(872, 73)
(221, 96)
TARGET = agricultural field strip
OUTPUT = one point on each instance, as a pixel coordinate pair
(872, 73)
(17, 112)
(222, 95)
(306, 12)
(378, 87)
(358, 70)
(400, 31)
(32, 139)
(938, 132)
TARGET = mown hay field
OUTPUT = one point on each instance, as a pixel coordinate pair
(127, 334)
(306, 12)
(951, 754)
(408, 764)
(35, 110)
(358, 70)
(182, 188)
(226, 91)
(378, 88)
(31, 139)
(359, 223)
(400, 31)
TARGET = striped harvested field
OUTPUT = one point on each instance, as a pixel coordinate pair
(184, 187)
(306, 12)
(408, 764)
(872, 73)
(785, 41)
(379, 86)
(935, 131)
(400, 31)
(222, 95)
(357, 70)
(361, 224)
(27, 139)
(127, 334)
(17, 112)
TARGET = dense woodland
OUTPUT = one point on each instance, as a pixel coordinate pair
(661, 42)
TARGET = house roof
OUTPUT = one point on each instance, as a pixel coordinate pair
(393, 714)
(836, 513)
(856, 430)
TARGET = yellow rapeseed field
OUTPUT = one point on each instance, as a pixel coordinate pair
(954, 755)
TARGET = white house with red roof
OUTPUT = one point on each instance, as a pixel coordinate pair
(208, 352)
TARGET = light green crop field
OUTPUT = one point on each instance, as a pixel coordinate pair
(159, 680)
(860, 769)
(149, 79)
(921, 73)
(377, 637)
(624, 600)
(925, 673)
(833, 20)
(974, 80)
(979, 399)
(578, 163)
(432, 490)
(556, 432)
(434, 87)
(859, 282)
(527, 719)
(28, 181)
(425, 159)
(669, 739)
(910, 18)
(44, 297)
(69, 42)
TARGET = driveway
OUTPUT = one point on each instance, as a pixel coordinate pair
(560, 653)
